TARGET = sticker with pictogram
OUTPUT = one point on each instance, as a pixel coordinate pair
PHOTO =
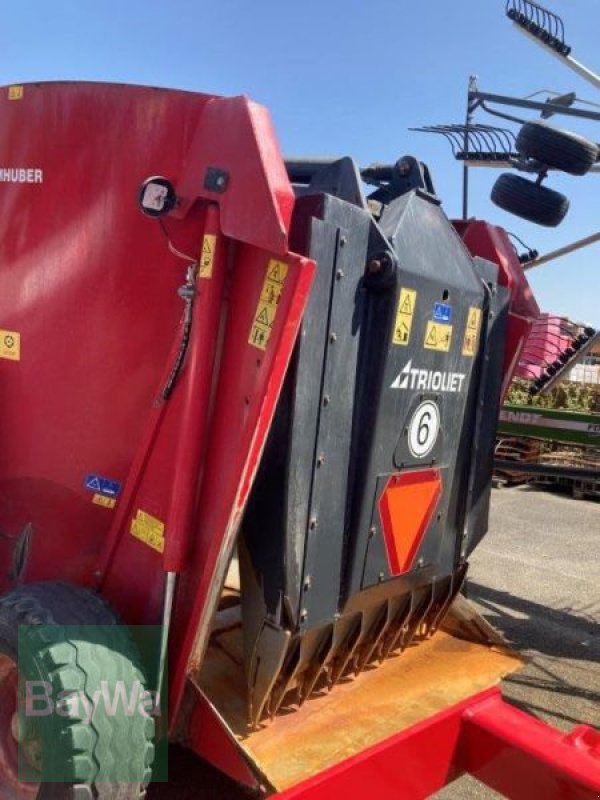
(149, 530)
(10, 345)
(207, 256)
(266, 310)
(471, 331)
(15, 92)
(404, 316)
(438, 337)
(105, 502)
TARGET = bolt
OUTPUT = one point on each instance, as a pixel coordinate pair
(326, 400)
(303, 615)
(374, 266)
(381, 576)
(332, 337)
(313, 523)
(343, 241)
(320, 461)
(420, 563)
(339, 274)
(372, 532)
(307, 583)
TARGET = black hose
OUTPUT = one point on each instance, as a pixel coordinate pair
(187, 292)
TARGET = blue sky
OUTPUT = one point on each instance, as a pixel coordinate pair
(340, 77)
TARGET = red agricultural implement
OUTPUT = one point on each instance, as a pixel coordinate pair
(250, 407)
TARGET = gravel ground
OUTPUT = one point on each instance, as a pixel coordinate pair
(536, 578)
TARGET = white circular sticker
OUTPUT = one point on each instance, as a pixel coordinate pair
(423, 429)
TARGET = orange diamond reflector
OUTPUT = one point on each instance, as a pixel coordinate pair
(406, 508)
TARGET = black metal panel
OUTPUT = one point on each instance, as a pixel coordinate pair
(491, 359)
(329, 491)
(319, 599)
(433, 263)
(301, 488)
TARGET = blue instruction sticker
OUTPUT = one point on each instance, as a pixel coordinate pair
(442, 312)
(96, 483)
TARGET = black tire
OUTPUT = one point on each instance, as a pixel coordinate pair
(529, 201)
(556, 147)
(93, 648)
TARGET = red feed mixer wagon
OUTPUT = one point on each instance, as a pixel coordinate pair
(250, 411)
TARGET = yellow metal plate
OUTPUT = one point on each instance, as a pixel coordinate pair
(266, 310)
(404, 316)
(104, 501)
(149, 529)
(471, 331)
(438, 336)
(207, 256)
(10, 345)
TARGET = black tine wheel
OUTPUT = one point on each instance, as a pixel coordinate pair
(529, 200)
(557, 147)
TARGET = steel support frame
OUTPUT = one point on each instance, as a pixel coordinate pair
(508, 750)
(477, 99)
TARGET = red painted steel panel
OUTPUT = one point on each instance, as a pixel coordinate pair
(491, 242)
(90, 286)
(207, 735)
(521, 757)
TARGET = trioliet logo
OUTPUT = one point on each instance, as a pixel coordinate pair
(428, 380)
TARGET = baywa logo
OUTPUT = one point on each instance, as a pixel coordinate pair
(109, 700)
(428, 380)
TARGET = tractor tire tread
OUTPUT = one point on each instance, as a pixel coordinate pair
(96, 746)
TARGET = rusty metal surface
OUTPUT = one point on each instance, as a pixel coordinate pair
(332, 726)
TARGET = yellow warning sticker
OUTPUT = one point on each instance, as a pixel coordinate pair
(149, 529)
(10, 345)
(15, 92)
(207, 256)
(438, 336)
(471, 331)
(266, 310)
(103, 500)
(404, 316)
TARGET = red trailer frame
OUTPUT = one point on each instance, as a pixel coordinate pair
(503, 747)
